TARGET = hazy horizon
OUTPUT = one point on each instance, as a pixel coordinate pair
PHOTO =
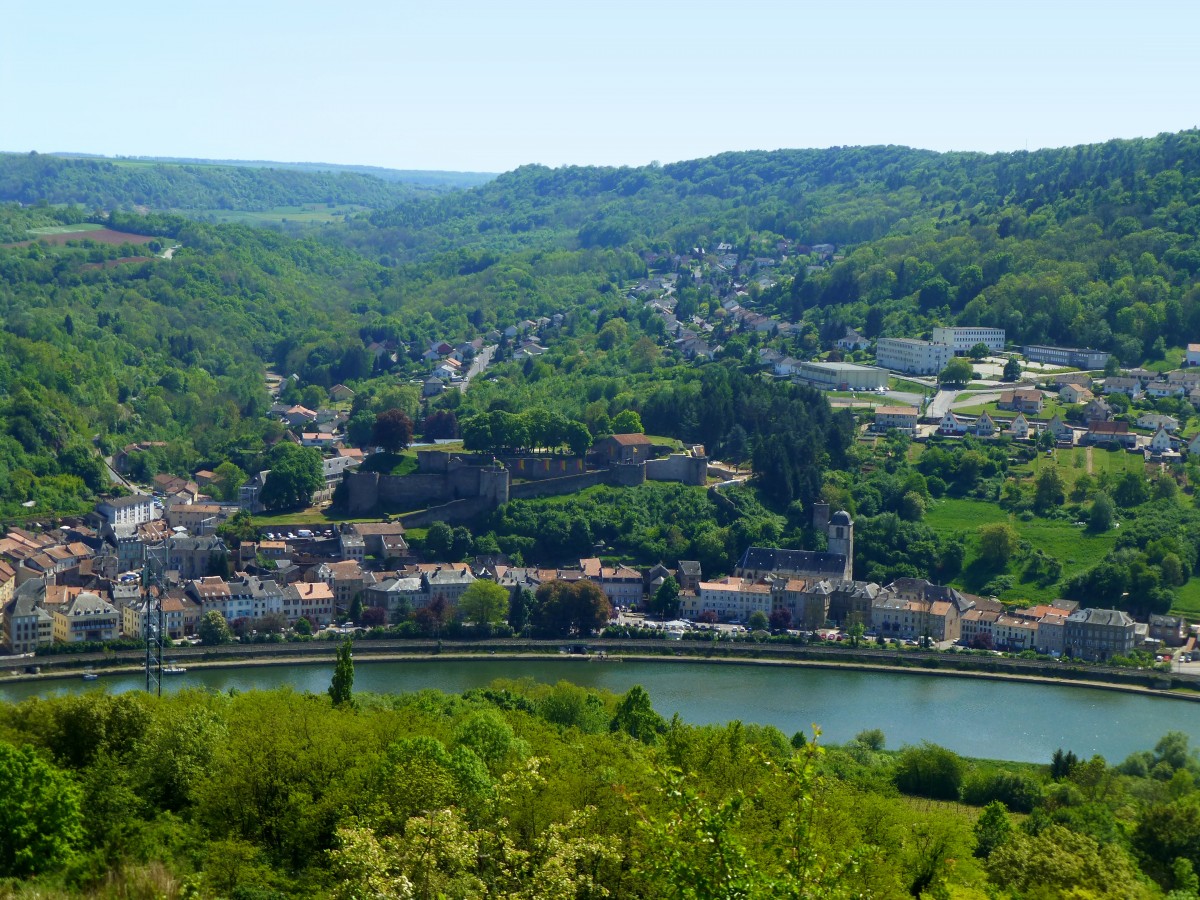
(482, 87)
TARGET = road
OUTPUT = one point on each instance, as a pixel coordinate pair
(940, 403)
(482, 360)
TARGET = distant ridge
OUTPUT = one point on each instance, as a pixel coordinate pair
(440, 177)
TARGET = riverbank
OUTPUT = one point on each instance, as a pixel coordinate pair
(322, 653)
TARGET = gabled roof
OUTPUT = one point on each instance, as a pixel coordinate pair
(630, 440)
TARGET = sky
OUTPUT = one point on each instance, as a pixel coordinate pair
(488, 85)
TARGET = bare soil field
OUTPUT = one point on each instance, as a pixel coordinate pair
(99, 235)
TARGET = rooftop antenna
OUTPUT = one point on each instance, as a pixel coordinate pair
(152, 613)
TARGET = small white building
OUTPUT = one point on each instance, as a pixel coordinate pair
(1192, 357)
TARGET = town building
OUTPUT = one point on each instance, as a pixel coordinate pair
(1098, 634)
(311, 600)
(1074, 393)
(730, 599)
(841, 376)
(902, 418)
(1026, 400)
(913, 608)
(132, 510)
(912, 356)
(1192, 356)
(26, 624)
(86, 617)
(962, 339)
(1067, 357)
(836, 562)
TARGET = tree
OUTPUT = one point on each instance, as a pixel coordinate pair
(1050, 491)
(992, 829)
(758, 621)
(520, 608)
(40, 815)
(227, 480)
(567, 608)
(1100, 517)
(997, 543)
(636, 717)
(1131, 490)
(296, 475)
(957, 371)
(213, 629)
(980, 351)
(341, 688)
(666, 598)
(393, 430)
(627, 421)
(1012, 370)
(485, 603)
(303, 627)
(238, 528)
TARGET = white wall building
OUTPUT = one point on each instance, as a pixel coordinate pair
(132, 510)
(912, 356)
(963, 339)
(838, 376)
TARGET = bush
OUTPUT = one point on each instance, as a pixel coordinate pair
(930, 771)
(1019, 793)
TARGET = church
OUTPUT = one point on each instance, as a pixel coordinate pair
(837, 562)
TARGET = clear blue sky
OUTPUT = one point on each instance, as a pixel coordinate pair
(487, 86)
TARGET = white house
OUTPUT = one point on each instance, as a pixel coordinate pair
(1019, 427)
(1194, 446)
(1158, 420)
(1161, 442)
(953, 424)
(985, 425)
(1192, 358)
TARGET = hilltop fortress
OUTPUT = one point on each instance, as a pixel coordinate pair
(455, 487)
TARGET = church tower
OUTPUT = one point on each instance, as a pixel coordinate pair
(841, 539)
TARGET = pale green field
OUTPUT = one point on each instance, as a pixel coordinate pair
(67, 229)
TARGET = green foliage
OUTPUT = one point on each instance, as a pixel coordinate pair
(635, 716)
(39, 814)
(341, 687)
(213, 629)
(484, 603)
(930, 771)
(566, 608)
(295, 477)
(993, 828)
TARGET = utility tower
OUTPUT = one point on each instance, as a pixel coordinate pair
(153, 632)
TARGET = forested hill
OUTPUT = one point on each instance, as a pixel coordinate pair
(1091, 245)
(103, 184)
(840, 195)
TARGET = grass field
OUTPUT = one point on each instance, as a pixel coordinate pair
(1049, 409)
(309, 214)
(1076, 549)
(1073, 462)
(903, 384)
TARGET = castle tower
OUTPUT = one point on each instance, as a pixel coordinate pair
(841, 539)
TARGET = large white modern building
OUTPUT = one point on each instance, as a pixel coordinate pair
(838, 376)
(912, 356)
(962, 339)
(1072, 357)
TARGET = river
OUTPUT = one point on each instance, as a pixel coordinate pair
(973, 716)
